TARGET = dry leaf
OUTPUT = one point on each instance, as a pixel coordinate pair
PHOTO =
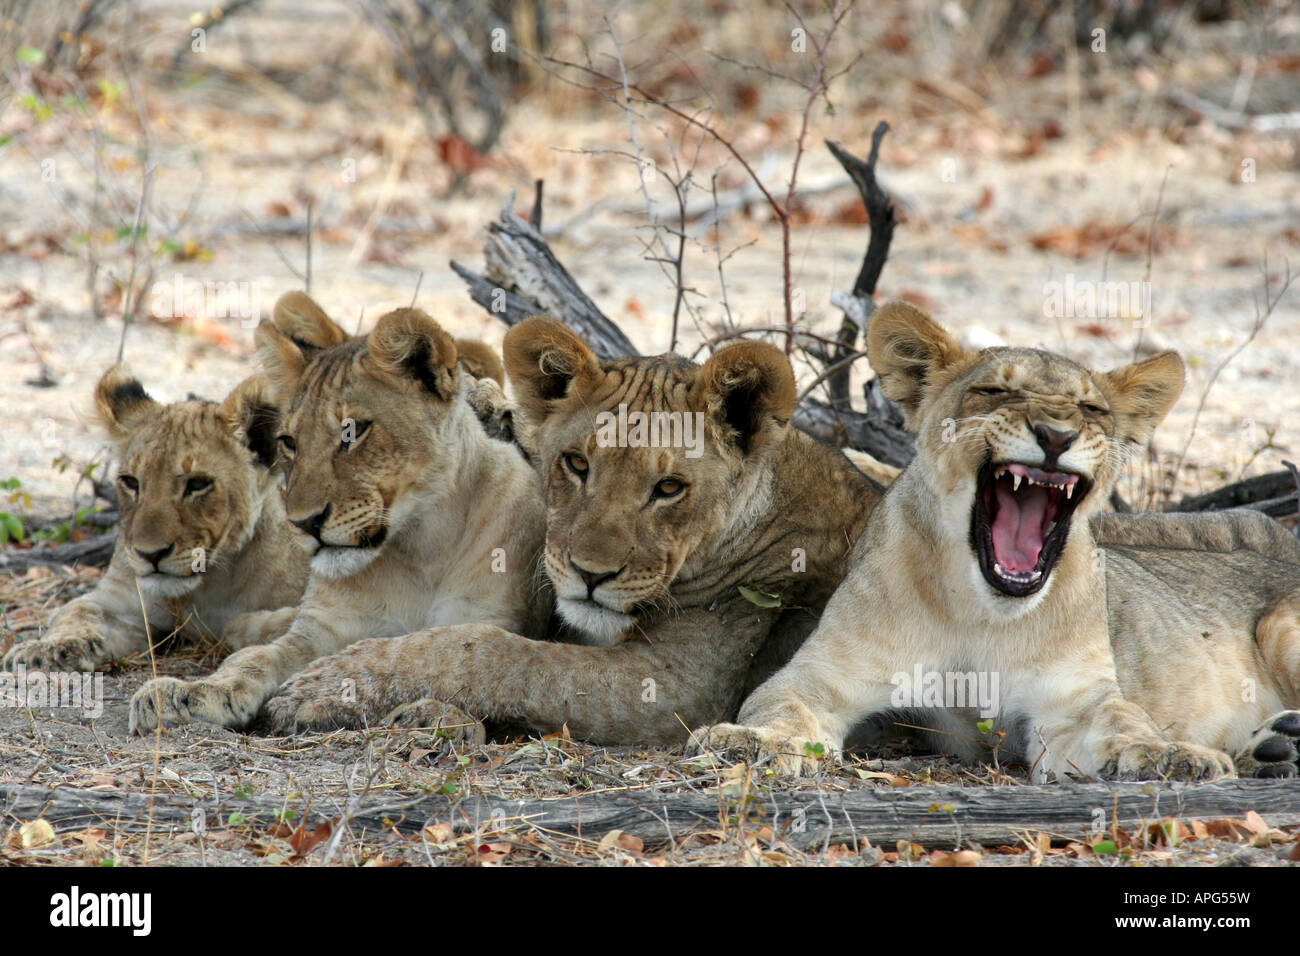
(36, 833)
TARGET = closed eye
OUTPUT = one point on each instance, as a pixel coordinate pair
(1092, 409)
(990, 390)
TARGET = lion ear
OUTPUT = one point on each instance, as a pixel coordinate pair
(122, 404)
(748, 389)
(480, 360)
(1142, 394)
(906, 348)
(254, 417)
(544, 360)
(407, 343)
(297, 330)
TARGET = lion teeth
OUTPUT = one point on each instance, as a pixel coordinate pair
(1015, 482)
(1069, 490)
(1022, 577)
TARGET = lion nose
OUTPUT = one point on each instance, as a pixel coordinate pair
(313, 524)
(153, 557)
(1054, 441)
(593, 579)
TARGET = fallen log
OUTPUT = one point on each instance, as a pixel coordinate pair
(88, 553)
(811, 818)
(1273, 493)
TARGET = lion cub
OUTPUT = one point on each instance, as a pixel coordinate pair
(413, 515)
(980, 561)
(203, 533)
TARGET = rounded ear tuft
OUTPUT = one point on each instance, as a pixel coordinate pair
(122, 404)
(254, 418)
(545, 360)
(1142, 394)
(407, 343)
(297, 316)
(748, 388)
(906, 348)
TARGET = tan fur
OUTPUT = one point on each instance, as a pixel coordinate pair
(915, 596)
(414, 516)
(231, 551)
(660, 634)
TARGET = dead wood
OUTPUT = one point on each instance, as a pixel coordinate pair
(929, 816)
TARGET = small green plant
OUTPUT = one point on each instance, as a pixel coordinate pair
(11, 524)
(815, 750)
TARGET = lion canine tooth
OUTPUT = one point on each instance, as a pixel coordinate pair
(1015, 482)
(1069, 490)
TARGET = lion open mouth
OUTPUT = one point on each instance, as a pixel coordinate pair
(1020, 522)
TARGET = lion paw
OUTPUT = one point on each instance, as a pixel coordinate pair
(321, 697)
(72, 652)
(788, 755)
(171, 702)
(1274, 749)
(447, 721)
(1169, 761)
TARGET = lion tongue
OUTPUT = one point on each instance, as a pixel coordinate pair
(1018, 527)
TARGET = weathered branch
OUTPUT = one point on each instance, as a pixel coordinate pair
(929, 816)
(1273, 493)
(858, 305)
(523, 278)
(94, 552)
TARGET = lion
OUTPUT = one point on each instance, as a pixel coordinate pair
(202, 542)
(1127, 660)
(691, 535)
(413, 515)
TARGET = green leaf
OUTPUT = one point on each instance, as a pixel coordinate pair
(1104, 848)
(108, 861)
(234, 820)
(14, 525)
(758, 598)
(31, 55)
(985, 726)
(6, 139)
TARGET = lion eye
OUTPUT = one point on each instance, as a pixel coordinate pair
(669, 488)
(576, 464)
(129, 483)
(1092, 409)
(197, 485)
(287, 444)
(989, 390)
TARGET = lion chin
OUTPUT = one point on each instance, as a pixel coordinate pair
(335, 563)
(169, 586)
(600, 626)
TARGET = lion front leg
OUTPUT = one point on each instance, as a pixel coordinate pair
(1092, 730)
(105, 625)
(625, 694)
(234, 694)
(257, 627)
